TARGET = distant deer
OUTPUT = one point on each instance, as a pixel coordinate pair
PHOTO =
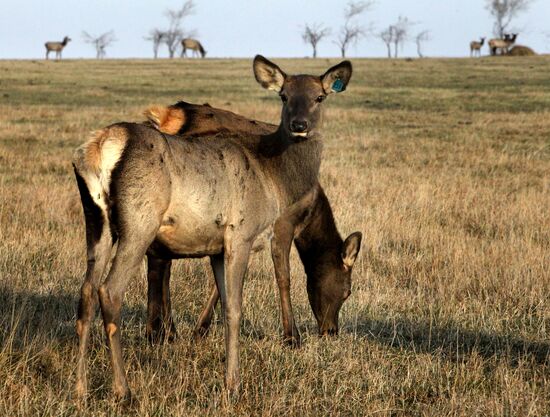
(502, 44)
(170, 198)
(327, 258)
(57, 47)
(475, 47)
(194, 45)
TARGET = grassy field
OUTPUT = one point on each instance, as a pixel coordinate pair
(444, 165)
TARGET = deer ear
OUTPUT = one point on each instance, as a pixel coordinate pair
(350, 249)
(337, 78)
(269, 75)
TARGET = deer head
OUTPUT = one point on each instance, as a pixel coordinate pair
(301, 95)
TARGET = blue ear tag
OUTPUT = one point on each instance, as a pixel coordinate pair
(338, 85)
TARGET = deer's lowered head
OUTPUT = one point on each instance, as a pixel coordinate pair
(301, 95)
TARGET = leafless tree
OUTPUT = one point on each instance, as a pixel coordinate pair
(387, 37)
(100, 42)
(400, 33)
(421, 37)
(351, 32)
(156, 36)
(503, 11)
(313, 34)
(175, 33)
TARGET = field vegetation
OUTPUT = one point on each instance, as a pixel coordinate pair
(443, 164)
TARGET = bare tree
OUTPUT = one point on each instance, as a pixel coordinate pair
(156, 36)
(503, 11)
(174, 34)
(421, 37)
(351, 32)
(313, 34)
(100, 42)
(400, 33)
(387, 37)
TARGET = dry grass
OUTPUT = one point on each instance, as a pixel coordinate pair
(444, 165)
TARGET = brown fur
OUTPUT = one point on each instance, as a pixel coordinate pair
(165, 198)
(317, 239)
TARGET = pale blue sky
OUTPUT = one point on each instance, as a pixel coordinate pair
(242, 28)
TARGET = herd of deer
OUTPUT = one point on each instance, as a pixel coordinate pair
(494, 45)
(196, 181)
(186, 44)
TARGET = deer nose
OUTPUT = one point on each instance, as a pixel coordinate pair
(298, 126)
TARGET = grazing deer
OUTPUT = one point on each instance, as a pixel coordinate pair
(475, 47)
(194, 45)
(327, 259)
(502, 44)
(57, 47)
(171, 198)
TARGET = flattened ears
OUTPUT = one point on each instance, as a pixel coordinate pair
(336, 79)
(350, 249)
(268, 74)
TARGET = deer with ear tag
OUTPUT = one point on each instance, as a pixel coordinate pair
(169, 198)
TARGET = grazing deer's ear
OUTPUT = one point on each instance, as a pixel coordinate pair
(350, 249)
(337, 78)
(268, 74)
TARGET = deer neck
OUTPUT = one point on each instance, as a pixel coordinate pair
(319, 243)
(292, 164)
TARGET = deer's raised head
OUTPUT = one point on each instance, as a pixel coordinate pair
(66, 40)
(329, 285)
(301, 95)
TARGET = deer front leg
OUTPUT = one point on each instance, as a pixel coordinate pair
(283, 233)
(230, 287)
(160, 324)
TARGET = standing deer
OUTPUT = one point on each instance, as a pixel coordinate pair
(57, 47)
(169, 198)
(327, 259)
(502, 44)
(475, 47)
(194, 45)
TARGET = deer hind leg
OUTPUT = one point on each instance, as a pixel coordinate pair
(205, 318)
(160, 324)
(126, 264)
(99, 244)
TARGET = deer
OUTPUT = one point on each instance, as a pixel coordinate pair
(502, 44)
(167, 198)
(327, 258)
(57, 47)
(475, 47)
(194, 45)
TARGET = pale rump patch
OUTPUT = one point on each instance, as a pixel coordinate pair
(96, 159)
(166, 119)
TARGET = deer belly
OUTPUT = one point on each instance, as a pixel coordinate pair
(183, 237)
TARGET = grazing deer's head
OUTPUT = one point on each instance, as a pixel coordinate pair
(301, 95)
(329, 285)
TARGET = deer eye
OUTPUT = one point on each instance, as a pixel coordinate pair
(284, 98)
(320, 99)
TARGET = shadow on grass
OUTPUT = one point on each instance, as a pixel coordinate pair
(450, 340)
(26, 315)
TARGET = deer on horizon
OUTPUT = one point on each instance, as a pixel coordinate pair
(57, 47)
(502, 44)
(167, 198)
(475, 47)
(194, 45)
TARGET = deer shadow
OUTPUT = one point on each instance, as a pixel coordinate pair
(449, 340)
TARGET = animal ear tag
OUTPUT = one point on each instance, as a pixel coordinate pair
(338, 85)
